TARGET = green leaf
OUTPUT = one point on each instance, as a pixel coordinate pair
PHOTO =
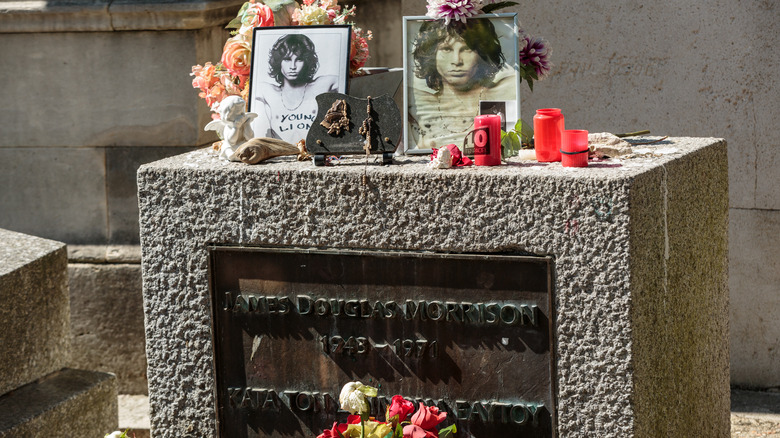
(530, 84)
(236, 22)
(369, 391)
(496, 6)
(448, 431)
(515, 143)
(527, 134)
(399, 431)
(519, 125)
(275, 5)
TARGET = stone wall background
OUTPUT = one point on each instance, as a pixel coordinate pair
(100, 88)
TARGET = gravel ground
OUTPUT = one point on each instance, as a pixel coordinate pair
(755, 413)
(746, 425)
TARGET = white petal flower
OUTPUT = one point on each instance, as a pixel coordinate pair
(353, 397)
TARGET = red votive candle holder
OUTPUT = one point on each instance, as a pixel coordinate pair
(548, 130)
(487, 140)
(574, 148)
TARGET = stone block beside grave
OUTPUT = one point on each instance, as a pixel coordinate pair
(38, 395)
(34, 308)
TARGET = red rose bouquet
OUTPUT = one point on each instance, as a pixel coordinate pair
(423, 424)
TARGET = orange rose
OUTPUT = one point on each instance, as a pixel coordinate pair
(237, 55)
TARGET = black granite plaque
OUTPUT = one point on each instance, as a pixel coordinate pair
(468, 333)
(383, 126)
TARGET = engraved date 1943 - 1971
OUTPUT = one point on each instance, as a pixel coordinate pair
(415, 348)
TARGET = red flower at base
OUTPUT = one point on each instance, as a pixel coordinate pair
(334, 432)
(400, 408)
(428, 417)
(414, 431)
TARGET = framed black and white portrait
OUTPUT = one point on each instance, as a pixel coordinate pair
(455, 73)
(290, 67)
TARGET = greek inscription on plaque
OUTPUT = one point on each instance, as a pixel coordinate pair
(470, 334)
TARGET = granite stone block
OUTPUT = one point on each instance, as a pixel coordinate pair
(62, 197)
(755, 267)
(34, 307)
(768, 173)
(66, 403)
(122, 193)
(639, 247)
(97, 99)
(107, 322)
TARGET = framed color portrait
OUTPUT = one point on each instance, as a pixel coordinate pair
(455, 73)
(290, 67)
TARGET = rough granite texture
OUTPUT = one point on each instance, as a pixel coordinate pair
(67, 403)
(640, 253)
(34, 308)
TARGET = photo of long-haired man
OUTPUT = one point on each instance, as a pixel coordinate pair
(450, 70)
(290, 68)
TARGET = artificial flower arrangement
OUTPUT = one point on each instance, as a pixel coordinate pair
(400, 419)
(230, 76)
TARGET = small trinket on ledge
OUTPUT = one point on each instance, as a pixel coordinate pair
(233, 127)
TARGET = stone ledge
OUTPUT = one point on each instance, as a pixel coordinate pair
(125, 15)
(65, 403)
(103, 254)
(19, 250)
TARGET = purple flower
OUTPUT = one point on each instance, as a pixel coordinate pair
(536, 52)
(452, 10)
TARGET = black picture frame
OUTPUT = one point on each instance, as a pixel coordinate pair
(284, 98)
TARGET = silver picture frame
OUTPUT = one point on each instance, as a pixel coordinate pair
(449, 70)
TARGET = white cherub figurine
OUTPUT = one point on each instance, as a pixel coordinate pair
(234, 126)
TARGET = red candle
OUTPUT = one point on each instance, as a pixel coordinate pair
(548, 129)
(574, 148)
(487, 140)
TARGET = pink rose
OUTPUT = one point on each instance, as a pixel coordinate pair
(232, 84)
(204, 76)
(428, 417)
(358, 51)
(237, 55)
(414, 431)
(215, 94)
(400, 408)
(330, 4)
(256, 15)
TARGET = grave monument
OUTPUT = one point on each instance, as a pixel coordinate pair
(526, 298)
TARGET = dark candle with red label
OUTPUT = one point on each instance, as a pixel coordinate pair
(487, 140)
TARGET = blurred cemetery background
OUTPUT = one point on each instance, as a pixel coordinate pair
(95, 88)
